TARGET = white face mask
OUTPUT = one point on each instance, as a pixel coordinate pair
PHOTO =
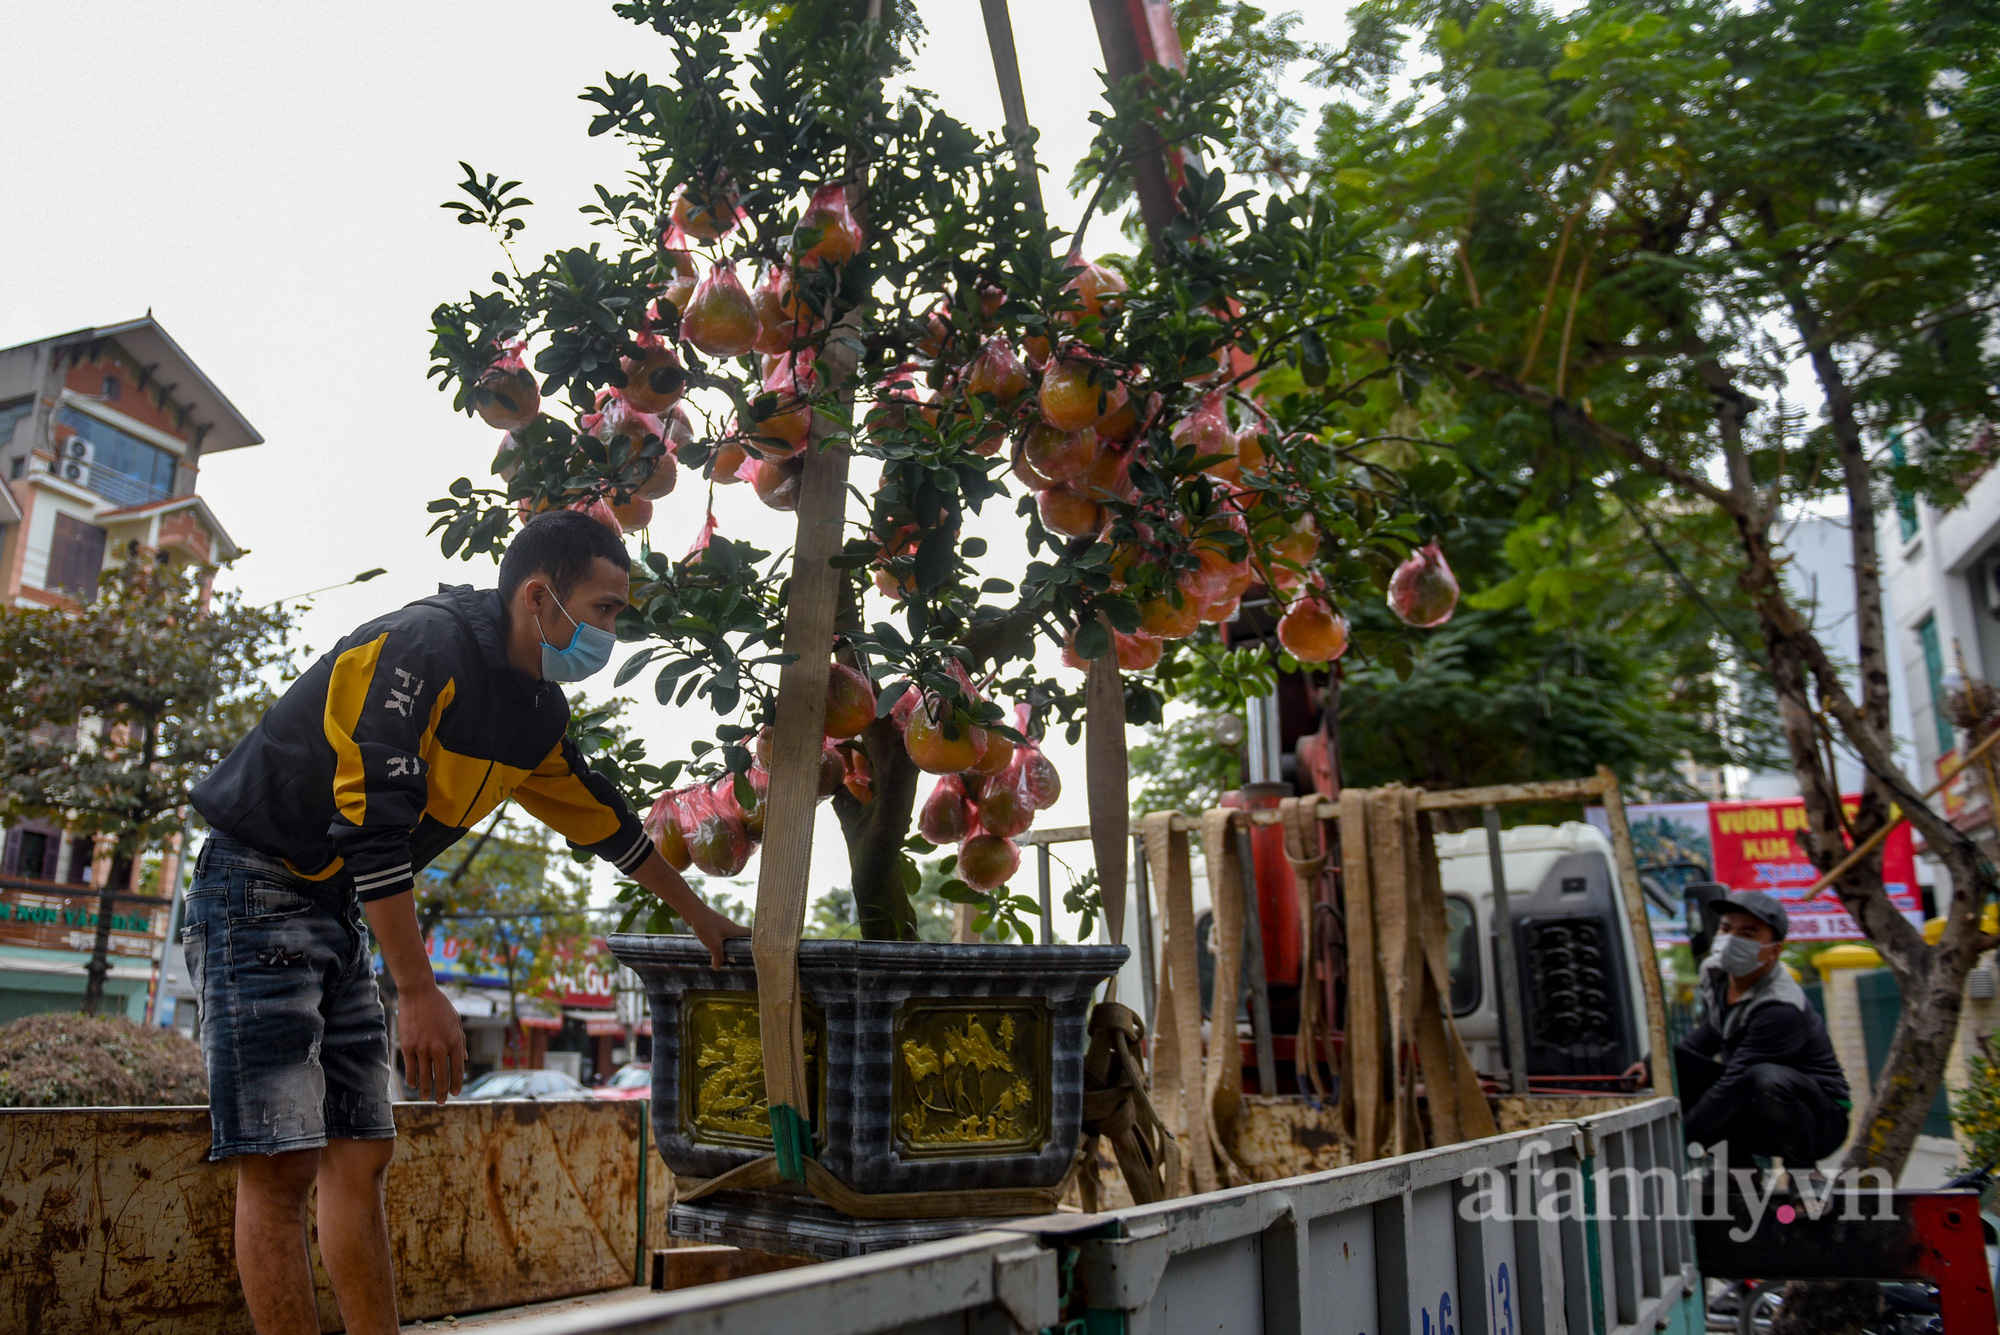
(1738, 956)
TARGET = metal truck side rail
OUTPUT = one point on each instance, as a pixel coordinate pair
(1573, 1227)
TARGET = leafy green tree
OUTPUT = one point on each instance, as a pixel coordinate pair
(109, 714)
(1625, 229)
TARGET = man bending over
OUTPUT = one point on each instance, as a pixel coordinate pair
(384, 754)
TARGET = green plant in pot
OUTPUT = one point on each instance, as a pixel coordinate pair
(805, 271)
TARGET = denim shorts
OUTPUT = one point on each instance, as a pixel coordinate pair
(292, 1029)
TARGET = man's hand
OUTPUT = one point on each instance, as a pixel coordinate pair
(712, 929)
(433, 1043)
(709, 927)
(432, 1039)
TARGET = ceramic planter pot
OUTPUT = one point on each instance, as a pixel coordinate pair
(934, 1067)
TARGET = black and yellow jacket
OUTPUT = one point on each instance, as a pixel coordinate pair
(395, 744)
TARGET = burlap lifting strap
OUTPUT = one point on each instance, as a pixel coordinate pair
(987, 1202)
(1115, 1108)
(1178, 1078)
(1399, 984)
(1305, 850)
(1223, 1081)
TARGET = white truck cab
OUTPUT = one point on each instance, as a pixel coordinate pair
(1583, 1005)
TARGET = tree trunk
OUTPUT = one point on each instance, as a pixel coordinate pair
(100, 949)
(875, 831)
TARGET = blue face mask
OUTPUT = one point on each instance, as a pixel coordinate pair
(588, 650)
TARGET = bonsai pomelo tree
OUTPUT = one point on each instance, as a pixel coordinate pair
(806, 267)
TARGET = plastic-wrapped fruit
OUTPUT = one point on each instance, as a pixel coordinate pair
(934, 753)
(1065, 512)
(1109, 475)
(1005, 808)
(999, 753)
(1206, 430)
(895, 394)
(906, 705)
(717, 842)
(948, 815)
(600, 510)
(1251, 454)
(996, 371)
(719, 318)
(677, 247)
(655, 379)
(729, 460)
(1158, 616)
(1123, 421)
(1098, 287)
(1137, 651)
(1026, 474)
(777, 484)
(776, 326)
(1312, 632)
(832, 768)
(705, 215)
(662, 823)
(784, 431)
(839, 235)
(508, 397)
(850, 702)
(1423, 591)
(1218, 612)
(633, 514)
(1058, 455)
(727, 801)
(859, 775)
(1044, 783)
(1072, 399)
(987, 862)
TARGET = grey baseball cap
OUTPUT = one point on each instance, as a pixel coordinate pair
(1765, 908)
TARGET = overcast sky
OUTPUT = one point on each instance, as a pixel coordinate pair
(266, 179)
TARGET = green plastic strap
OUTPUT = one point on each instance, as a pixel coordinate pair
(791, 1141)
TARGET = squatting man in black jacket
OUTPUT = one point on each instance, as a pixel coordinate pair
(385, 753)
(1759, 1071)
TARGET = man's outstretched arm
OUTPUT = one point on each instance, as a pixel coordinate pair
(709, 926)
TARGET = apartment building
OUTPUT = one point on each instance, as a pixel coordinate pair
(102, 436)
(1941, 569)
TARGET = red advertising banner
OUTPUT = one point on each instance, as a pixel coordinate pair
(1755, 847)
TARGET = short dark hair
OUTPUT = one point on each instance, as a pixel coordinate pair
(561, 545)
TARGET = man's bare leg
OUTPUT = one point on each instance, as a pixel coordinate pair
(354, 1233)
(271, 1240)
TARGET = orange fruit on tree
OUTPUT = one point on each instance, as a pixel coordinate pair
(850, 702)
(1162, 617)
(655, 379)
(986, 861)
(1313, 632)
(1056, 454)
(935, 753)
(1065, 512)
(1071, 397)
(720, 318)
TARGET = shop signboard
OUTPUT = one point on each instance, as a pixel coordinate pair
(1755, 846)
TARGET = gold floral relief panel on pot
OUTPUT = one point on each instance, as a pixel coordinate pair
(722, 1069)
(972, 1077)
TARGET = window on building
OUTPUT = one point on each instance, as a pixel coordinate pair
(76, 558)
(1927, 637)
(31, 852)
(1906, 504)
(11, 416)
(113, 387)
(122, 468)
(18, 467)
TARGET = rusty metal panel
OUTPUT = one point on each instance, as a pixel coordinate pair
(1287, 1136)
(112, 1218)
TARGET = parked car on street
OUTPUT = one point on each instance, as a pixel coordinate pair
(633, 1080)
(543, 1086)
